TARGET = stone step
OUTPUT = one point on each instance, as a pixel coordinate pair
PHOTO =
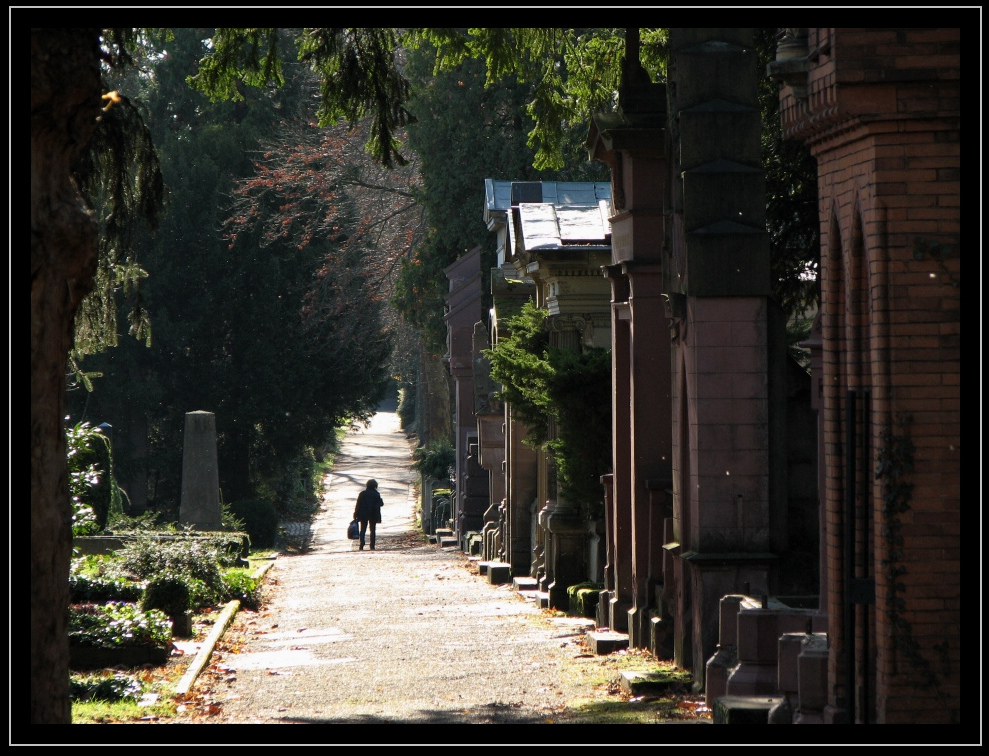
(499, 573)
(447, 542)
(744, 709)
(657, 683)
(603, 642)
(525, 583)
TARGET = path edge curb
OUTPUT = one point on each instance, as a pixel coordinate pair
(219, 627)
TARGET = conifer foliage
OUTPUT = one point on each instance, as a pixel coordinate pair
(564, 399)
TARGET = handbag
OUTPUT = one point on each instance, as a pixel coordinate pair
(354, 530)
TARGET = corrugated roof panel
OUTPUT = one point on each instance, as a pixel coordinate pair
(581, 224)
(540, 227)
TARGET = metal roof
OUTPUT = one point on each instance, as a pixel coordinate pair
(498, 194)
(546, 226)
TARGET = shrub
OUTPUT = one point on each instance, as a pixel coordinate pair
(194, 559)
(144, 522)
(93, 565)
(200, 594)
(169, 593)
(260, 521)
(238, 584)
(95, 589)
(406, 406)
(434, 460)
(94, 492)
(117, 624)
(295, 489)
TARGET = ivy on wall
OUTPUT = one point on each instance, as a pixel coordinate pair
(564, 398)
(894, 462)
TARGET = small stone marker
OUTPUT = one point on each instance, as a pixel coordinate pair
(200, 504)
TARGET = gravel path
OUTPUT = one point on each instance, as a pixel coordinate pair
(408, 633)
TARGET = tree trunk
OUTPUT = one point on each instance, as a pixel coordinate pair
(65, 102)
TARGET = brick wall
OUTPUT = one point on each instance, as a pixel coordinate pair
(882, 117)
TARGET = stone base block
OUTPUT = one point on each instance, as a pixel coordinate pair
(603, 642)
(524, 583)
(182, 625)
(716, 675)
(638, 627)
(474, 543)
(750, 679)
(499, 572)
(661, 637)
(744, 709)
(651, 683)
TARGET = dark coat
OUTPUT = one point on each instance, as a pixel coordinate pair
(369, 505)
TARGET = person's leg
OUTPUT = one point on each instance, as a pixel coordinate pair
(372, 535)
(364, 530)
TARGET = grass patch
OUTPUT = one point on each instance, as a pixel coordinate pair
(112, 697)
(634, 712)
(120, 712)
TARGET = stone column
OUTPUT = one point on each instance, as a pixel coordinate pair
(632, 143)
(621, 498)
(719, 257)
(520, 463)
(651, 433)
(200, 503)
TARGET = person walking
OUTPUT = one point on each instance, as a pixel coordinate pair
(368, 510)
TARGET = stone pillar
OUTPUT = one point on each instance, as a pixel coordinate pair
(200, 503)
(464, 309)
(719, 261)
(474, 489)
(602, 616)
(620, 600)
(651, 432)
(632, 143)
(520, 463)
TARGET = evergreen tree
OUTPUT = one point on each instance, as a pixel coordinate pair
(255, 326)
(464, 133)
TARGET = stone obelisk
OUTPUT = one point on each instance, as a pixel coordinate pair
(200, 504)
